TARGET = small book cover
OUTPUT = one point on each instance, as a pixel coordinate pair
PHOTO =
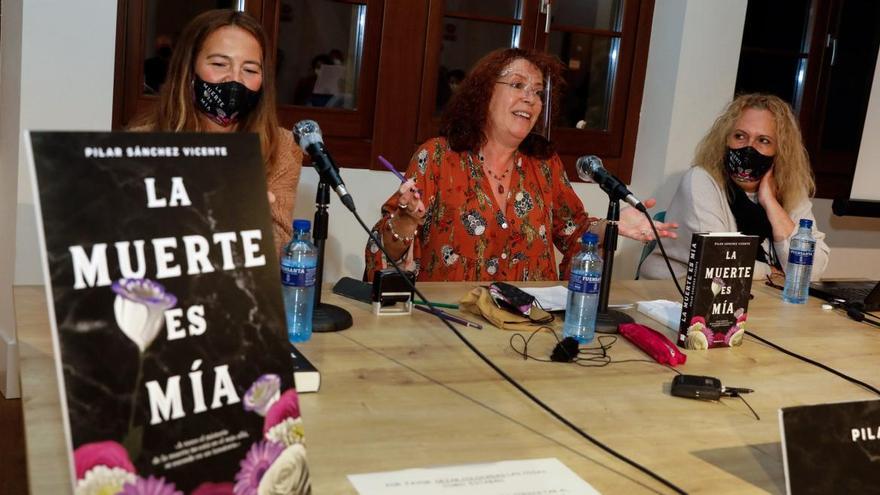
(167, 319)
(831, 448)
(306, 377)
(717, 290)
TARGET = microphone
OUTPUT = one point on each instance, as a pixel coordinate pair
(308, 136)
(590, 167)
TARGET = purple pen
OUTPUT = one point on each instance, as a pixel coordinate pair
(390, 167)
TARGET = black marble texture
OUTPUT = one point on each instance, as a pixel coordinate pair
(821, 453)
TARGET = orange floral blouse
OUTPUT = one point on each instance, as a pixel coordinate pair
(467, 237)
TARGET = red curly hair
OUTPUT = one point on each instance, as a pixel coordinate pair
(464, 120)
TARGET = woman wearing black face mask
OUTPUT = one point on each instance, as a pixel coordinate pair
(752, 175)
(221, 80)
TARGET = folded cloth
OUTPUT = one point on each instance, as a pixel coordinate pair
(479, 302)
(653, 342)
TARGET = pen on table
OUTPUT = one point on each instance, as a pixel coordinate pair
(436, 304)
(447, 316)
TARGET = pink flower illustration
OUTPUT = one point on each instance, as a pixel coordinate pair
(287, 406)
(108, 453)
(208, 488)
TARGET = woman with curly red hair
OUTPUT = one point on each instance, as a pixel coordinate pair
(489, 198)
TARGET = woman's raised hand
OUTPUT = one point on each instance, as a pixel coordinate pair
(634, 224)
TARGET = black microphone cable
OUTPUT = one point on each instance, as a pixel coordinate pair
(814, 363)
(507, 377)
(663, 252)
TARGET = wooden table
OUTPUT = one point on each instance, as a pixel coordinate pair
(403, 391)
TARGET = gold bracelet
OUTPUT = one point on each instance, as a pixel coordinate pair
(395, 235)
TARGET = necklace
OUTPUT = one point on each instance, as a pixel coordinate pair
(499, 179)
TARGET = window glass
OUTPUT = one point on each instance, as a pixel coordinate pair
(777, 25)
(464, 42)
(320, 52)
(591, 65)
(588, 14)
(772, 73)
(163, 22)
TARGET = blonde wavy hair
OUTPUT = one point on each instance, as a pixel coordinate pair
(791, 165)
(176, 110)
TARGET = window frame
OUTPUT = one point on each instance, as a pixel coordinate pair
(398, 82)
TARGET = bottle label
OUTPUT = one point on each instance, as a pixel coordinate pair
(800, 257)
(298, 276)
(585, 283)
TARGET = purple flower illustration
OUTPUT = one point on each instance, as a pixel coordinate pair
(109, 453)
(262, 393)
(140, 309)
(150, 486)
(258, 459)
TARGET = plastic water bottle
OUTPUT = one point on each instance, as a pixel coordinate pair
(299, 262)
(583, 292)
(800, 264)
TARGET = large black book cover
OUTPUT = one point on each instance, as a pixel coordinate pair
(166, 310)
(831, 448)
(717, 290)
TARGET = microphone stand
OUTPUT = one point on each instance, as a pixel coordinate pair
(608, 319)
(325, 317)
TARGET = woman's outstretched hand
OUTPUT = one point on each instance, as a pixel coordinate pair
(634, 224)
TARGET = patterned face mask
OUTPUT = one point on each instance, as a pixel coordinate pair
(746, 164)
(225, 103)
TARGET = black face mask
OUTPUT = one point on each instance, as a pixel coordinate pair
(746, 164)
(225, 103)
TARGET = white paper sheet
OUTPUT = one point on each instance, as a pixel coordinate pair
(532, 476)
(550, 298)
(666, 312)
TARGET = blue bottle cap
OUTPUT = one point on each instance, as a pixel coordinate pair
(589, 238)
(301, 225)
(806, 223)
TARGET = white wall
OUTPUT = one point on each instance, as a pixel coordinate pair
(868, 164)
(57, 73)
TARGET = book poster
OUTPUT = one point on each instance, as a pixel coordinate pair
(166, 310)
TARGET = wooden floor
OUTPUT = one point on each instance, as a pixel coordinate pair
(13, 467)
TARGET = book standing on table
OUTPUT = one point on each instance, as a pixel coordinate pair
(717, 290)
